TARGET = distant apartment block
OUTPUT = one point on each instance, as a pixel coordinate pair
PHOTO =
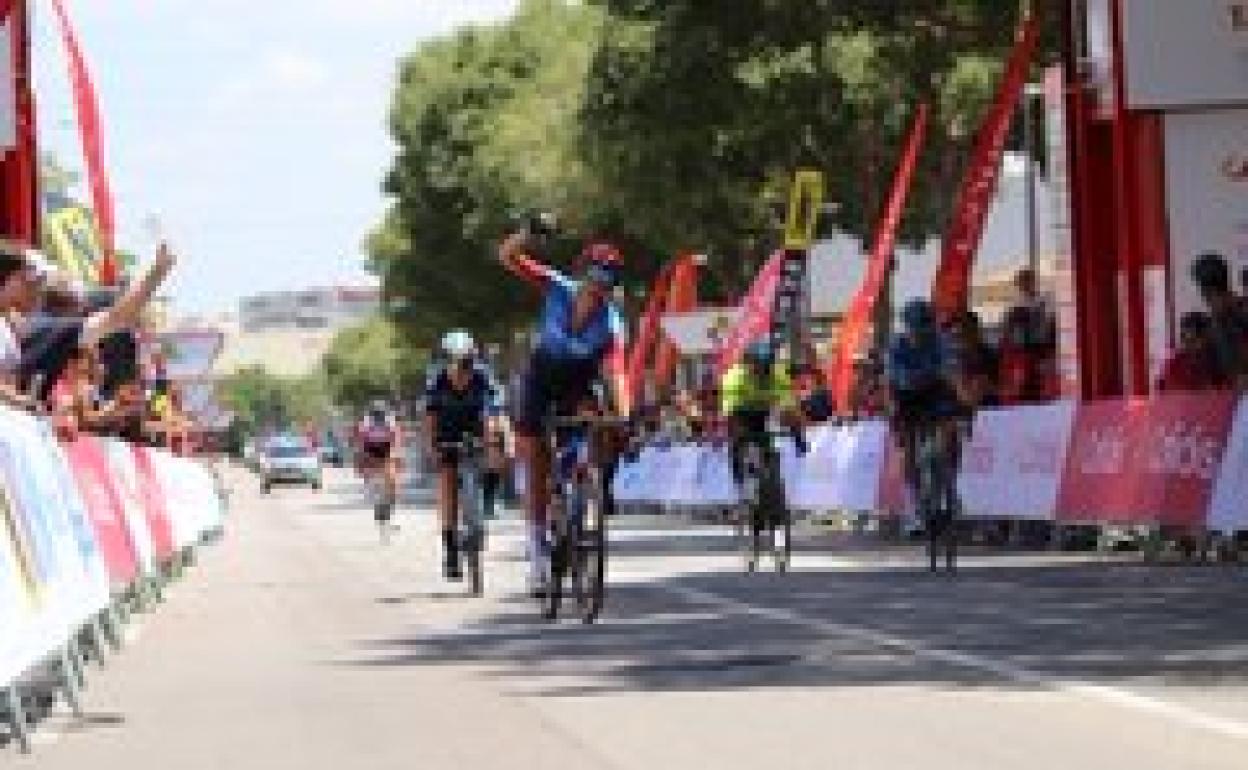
(326, 309)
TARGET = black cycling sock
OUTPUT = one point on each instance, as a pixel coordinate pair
(450, 543)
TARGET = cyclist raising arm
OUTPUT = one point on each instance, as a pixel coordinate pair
(579, 328)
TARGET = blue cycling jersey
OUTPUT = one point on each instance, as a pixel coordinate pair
(558, 341)
(925, 366)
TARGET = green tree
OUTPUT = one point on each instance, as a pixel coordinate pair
(714, 104)
(262, 401)
(485, 123)
(368, 361)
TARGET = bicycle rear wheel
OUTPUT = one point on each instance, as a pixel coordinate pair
(784, 554)
(591, 550)
(472, 554)
(756, 529)
(557, 567)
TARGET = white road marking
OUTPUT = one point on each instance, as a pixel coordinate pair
(1189, 717)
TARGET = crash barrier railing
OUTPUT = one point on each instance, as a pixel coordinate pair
(90, 533)
(1178, 460)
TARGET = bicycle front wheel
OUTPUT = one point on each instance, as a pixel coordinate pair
(591, 550)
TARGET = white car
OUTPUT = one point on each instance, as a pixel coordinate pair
(291, 462)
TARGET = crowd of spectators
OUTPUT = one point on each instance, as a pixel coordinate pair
(71, 355)
(1212, 353)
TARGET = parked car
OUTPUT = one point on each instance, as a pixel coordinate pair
(289, 462)
(333, 454)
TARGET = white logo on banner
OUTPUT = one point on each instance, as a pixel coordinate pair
(1013, 465)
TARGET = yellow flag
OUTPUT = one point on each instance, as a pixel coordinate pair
(73, 242)
(805, 204)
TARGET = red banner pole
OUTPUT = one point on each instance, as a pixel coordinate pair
(862, 308)
(952, 286)
(647, 333)
(89, 126)
(19, 169)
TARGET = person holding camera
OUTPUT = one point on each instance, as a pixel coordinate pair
(580, 327)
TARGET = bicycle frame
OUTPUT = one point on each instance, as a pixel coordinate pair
(471, 506)
(764, 500)
(577, 523)
(938, 505)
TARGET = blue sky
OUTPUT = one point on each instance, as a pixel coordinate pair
(253, 129)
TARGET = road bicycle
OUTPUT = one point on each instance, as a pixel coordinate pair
(765, 524)
(469, 456)
(577, 518)
(939, 506)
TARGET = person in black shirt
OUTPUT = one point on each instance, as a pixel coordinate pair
(1212, 277)
(458, 400)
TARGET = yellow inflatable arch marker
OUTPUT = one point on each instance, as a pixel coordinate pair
(805, 205)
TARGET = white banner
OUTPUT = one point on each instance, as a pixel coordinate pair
(842, 468)
(61, 580)
(15, 595)
(1182, 54)
(126, 481)
(1012, 467)
(1207, 195)
(195, 508)
(1229, 509)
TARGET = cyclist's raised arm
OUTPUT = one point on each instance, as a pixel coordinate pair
(513, 253)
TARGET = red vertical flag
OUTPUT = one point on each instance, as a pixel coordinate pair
(682, 298)
(647, 333)
(754, 318)
(858, 318)
(952, 285)
(19, 171)
(88, 109)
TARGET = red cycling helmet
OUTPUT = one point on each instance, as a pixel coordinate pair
(603, 254)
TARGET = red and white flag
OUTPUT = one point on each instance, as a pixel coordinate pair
(952, 285)
(89, 126)
(858, 318)
(754, 319)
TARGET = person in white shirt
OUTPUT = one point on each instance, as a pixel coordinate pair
(18, 286)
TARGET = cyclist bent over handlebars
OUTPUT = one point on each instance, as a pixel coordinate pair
(928, 388)
(459, 400)
(580, 327)
(750, 393)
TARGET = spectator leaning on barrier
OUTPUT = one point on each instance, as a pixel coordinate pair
(51, 339)
(814, 396)
(980, 362)
(868, 397)
(1193, 366)
(18, 286)
(1228, 314)
(1029, 345)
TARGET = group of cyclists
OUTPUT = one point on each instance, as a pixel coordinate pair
(580, 327)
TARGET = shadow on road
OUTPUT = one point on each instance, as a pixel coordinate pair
(1107, 623)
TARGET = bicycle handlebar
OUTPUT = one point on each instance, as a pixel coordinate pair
(589, 422)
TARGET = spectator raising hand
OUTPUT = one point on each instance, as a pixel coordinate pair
(51, 339)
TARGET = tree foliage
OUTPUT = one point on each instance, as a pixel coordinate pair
(667, 125)
(262, 401)
(485, 122)
(367, 362)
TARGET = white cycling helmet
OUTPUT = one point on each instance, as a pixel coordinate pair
(459, 345)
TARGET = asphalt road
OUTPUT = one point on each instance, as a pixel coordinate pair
(302, 642)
